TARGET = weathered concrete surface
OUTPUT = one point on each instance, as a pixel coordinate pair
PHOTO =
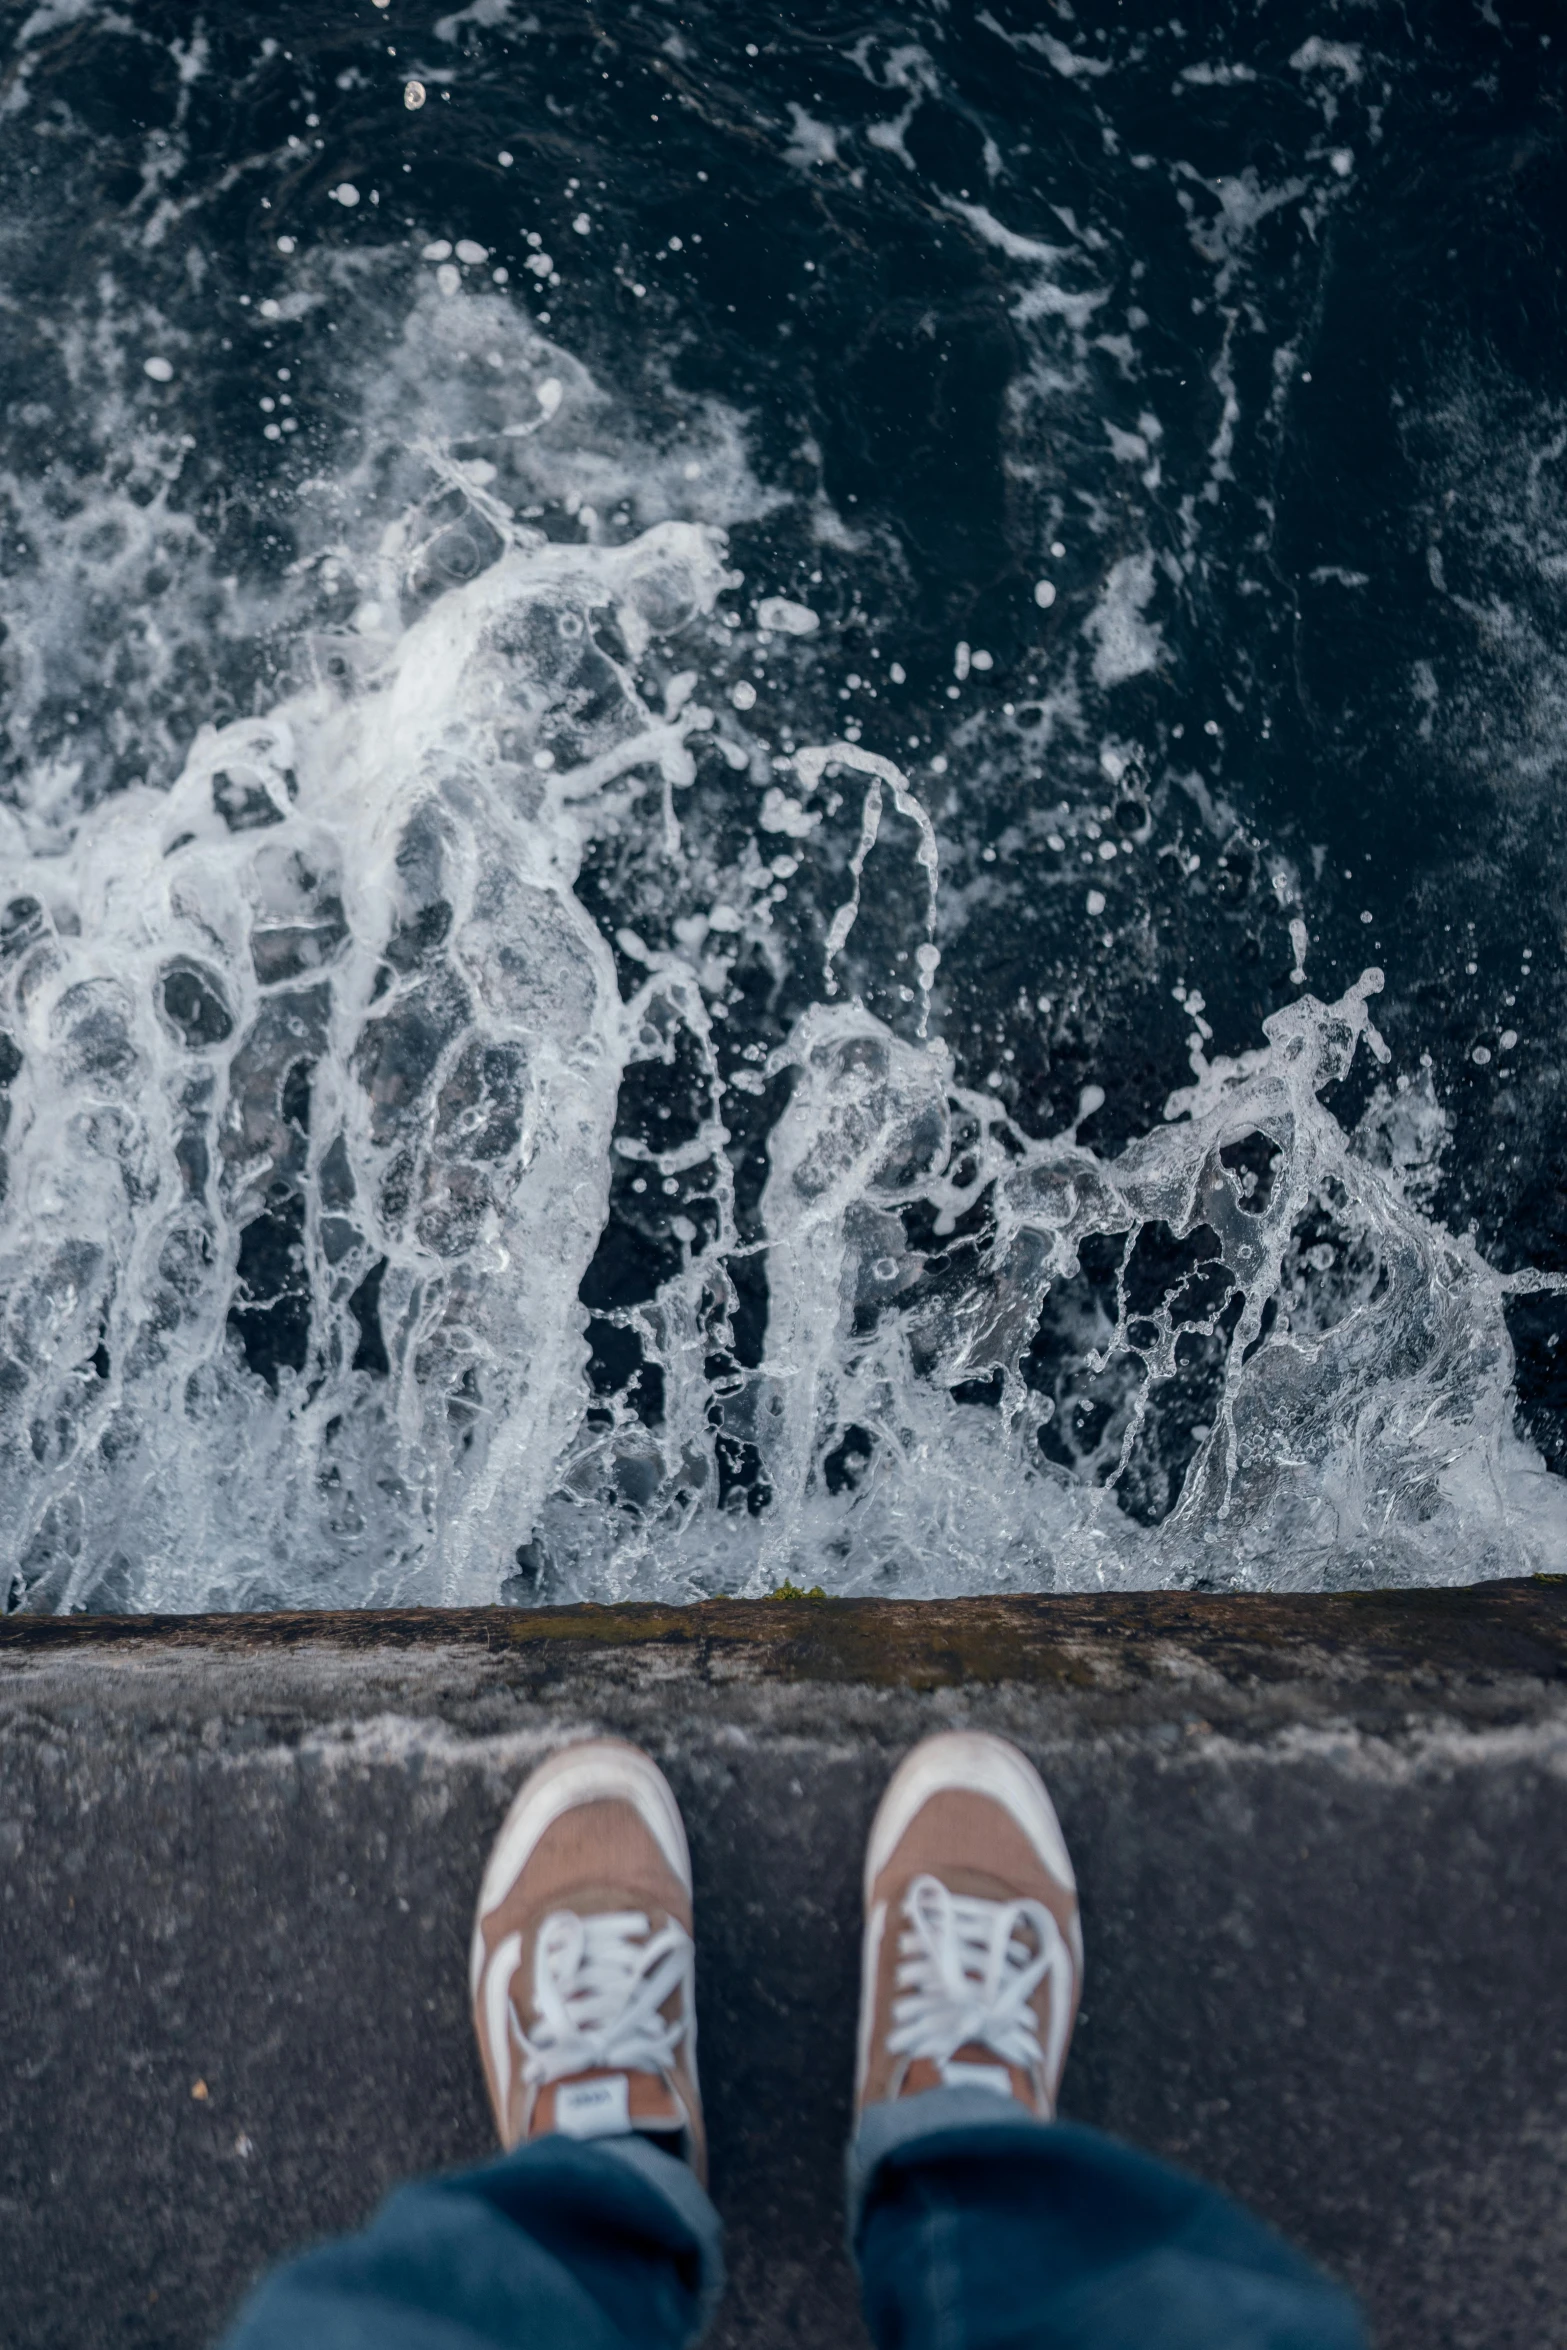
(1320, 1844)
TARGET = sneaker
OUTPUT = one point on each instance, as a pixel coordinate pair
(582, 1968)
(973, 1959)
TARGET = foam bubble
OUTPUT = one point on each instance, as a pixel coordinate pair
(786, 617)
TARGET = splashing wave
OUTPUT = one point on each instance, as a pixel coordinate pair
(313, 1064)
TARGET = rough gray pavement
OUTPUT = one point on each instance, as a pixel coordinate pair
(1320, 1843)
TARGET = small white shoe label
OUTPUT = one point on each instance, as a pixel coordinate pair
(594, 2109)
(975, 2076)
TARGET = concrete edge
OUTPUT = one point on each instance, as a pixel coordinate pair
(1515, 1628)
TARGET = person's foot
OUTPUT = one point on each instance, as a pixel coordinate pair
(581, 1971)
(973, 1959)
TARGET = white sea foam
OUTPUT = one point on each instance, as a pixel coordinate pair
(337, 973)
(1361, 1423)
(318, 1035)
(1125, 643)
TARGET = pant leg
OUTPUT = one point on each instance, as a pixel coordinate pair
(976, 2228)
(564, 2245)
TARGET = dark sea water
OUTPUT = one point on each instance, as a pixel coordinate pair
(515, 525)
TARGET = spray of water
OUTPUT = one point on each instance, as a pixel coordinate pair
(311, 1065)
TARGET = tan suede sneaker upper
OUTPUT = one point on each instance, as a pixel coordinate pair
(582, 1970)
(973, 1957)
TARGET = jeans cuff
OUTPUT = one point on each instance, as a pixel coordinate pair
(886, 2129)
(679, 2185)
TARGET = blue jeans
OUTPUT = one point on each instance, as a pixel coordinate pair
(974, 2227)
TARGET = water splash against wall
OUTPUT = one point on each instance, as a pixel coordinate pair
(313, 1072)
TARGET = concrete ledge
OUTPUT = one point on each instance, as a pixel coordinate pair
(1319, 1839)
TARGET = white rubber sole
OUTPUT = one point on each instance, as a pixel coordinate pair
(978, 1764)
(599, 1770)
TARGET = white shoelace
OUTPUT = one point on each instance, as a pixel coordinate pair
(599, 1984)
(967, 1972)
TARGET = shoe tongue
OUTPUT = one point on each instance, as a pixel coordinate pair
(603, 2104)
(972, 2067)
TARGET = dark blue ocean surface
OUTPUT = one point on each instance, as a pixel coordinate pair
(781, 797)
